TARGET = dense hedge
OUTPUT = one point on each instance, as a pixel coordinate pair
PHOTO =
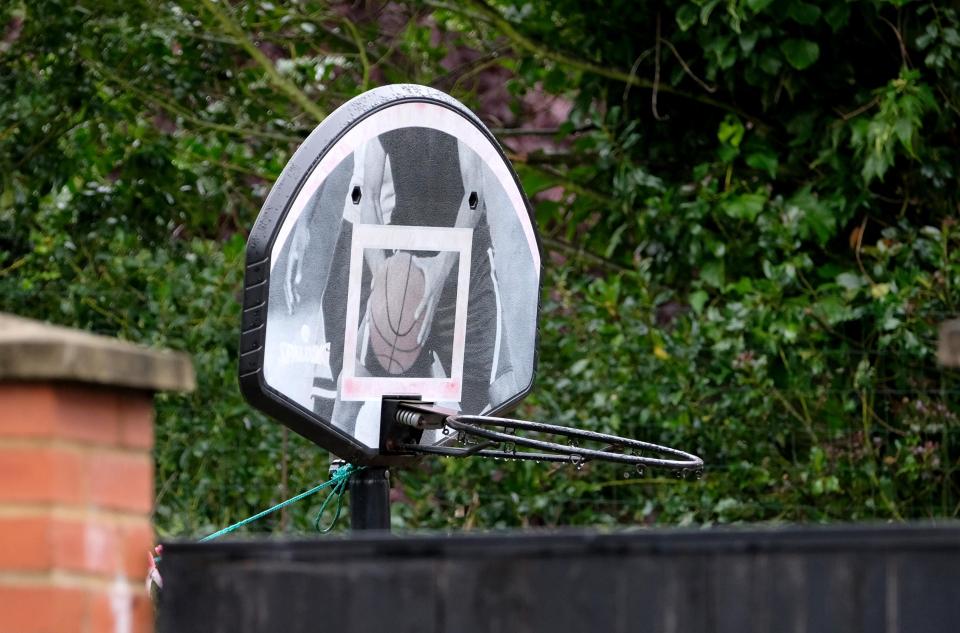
(753, 240)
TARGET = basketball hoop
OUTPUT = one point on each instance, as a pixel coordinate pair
(477, 435)
(391, 299)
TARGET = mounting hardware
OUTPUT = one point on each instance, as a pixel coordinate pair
(422, 415)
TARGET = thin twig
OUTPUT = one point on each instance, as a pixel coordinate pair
(526, 131)
(855, 113)
(15, 265)
(119, 320)
(456, 72)
(473, 71)
(633, 73)
(656, 76)
(686, 68)
(384, 58)
(362, 49)
(541, 157)
(904, 57)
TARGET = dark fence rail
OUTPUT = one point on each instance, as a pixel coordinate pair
(848, 579)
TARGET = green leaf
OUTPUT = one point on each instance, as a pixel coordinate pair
(803, 12)
(536, 181)
(874, 166)
(802, 128)
(731, 131)
(686, 17)
(546, 211)
(850, 281)
(698, 299)
(743, 286)
(758, 5)
(706, 10)
(745, 206)
(727, 153)
(800, 54)
(770, 62)
(614, 241)
(712, 273)
(903, 128)
(833, 309)
(556, 80)
(816, 219)
(578, 366)
(735, 17)
(837, 16)
(764, 160)
(748, 40)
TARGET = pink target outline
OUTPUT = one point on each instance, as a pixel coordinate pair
(405, 238)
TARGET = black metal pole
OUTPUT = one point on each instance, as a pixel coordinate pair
(370, 499)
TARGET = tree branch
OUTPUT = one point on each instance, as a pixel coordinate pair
(540, 157)
(505, 132)
(524, 42)
(508, 132)
(560, 246)
(686, 68)
(564, 182)
(279, 82)
(362, 49)
(656, 76)
(183, 113)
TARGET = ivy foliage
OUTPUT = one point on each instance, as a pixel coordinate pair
(749, 209)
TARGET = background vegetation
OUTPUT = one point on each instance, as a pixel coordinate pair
(749, 207)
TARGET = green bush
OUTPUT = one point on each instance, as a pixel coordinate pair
(756, 241)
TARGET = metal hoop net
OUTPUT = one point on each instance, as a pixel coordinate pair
(508, 438)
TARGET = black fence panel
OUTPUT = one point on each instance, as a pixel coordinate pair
(849, 579)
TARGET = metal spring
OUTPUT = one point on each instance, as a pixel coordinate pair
(410, 418)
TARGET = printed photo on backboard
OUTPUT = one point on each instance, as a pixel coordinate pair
(406, 269)
(407, 302)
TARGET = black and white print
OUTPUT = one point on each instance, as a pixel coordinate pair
(408, 272)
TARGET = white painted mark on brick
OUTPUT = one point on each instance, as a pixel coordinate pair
(121, 604)
(99, 547)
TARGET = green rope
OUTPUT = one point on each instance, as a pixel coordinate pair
(338, 490)
(339, 486)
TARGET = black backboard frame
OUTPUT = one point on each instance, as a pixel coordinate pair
(257, 274)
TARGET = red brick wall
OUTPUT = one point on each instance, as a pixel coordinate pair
(76, 493)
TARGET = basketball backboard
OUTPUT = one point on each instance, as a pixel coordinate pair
(396, 255)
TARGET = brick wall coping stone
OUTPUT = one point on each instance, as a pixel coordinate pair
(33, 350)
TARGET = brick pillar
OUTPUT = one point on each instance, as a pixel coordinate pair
(76, 478)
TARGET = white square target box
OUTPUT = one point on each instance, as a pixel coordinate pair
(438, 373)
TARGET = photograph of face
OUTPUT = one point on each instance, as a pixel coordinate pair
(393, 285)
